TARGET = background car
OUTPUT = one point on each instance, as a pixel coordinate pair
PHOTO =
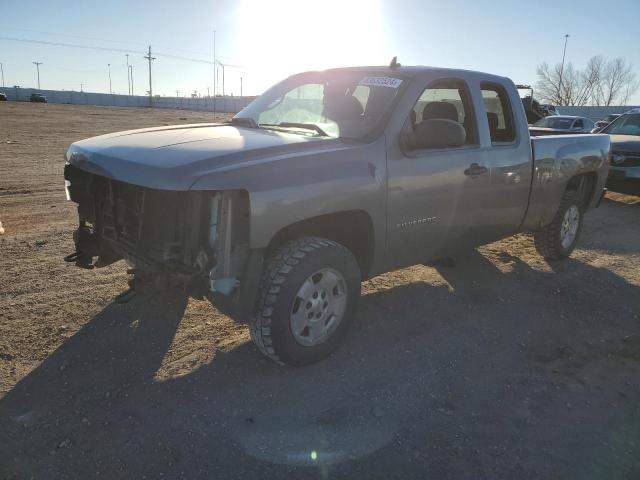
(561, 124)
(38, 98)
(3, 97)
(624, 174)
(604, 121)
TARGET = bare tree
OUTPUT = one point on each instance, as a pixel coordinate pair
(619, 82)
(601, 82)
(548, 85)
(589, 81)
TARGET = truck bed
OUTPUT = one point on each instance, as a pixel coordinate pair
(556, 159)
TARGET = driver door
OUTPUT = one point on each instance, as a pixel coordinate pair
(430, 191)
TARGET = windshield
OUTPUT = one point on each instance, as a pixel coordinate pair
(559, 123)
(343, 104)
(609, 118)
(624, 125)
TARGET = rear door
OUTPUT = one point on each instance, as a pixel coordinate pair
(506, 152)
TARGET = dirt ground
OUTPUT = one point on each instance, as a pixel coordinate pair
(499, 366)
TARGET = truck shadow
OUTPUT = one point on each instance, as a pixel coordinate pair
(421, 361)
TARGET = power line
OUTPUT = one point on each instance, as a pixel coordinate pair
(122, 42)
(107, 49)
(71, 45)
(147, 55)
(74, 36)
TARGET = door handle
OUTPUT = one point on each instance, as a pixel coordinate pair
(474, 170)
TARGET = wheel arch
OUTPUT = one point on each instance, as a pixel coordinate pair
(351, 228)
(585, 184)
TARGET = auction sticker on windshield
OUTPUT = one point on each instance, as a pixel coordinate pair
(381, 82)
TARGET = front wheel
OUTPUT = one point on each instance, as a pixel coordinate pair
(307, 299)
(557, 240)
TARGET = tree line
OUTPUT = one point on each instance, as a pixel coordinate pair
(601, 82)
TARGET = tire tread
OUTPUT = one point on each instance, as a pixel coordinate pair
(275, 273)
(546, 238)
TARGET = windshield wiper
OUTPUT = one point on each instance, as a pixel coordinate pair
(244, 121)
(306, 126)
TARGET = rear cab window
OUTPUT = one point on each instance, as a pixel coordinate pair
(499, 113)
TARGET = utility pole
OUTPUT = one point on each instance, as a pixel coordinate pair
(177, 93)
(110, 89)
(131, 70)
(215, 72)
(128, 78)
(564, 52)
(150, 58)
(240, 86)
(37, 64)
(81, 85)
(2, 71)
(222, 79)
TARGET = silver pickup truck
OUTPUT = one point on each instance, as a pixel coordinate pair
(327, 179)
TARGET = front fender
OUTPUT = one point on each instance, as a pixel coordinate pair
(291, 188)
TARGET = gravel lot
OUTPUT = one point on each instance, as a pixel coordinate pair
(498, 366)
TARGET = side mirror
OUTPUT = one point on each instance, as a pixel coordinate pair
(435, 133)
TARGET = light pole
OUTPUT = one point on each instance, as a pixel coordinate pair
(131, 71)
(110, 90)
(215, 67)
(128, 78)
(564, 52)
(2, 71)
(37, 64)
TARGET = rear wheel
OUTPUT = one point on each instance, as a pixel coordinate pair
(308, 296)
(557, 240)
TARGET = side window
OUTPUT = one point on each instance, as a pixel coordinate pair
(578, 124)
(446, 100)
(499, 114)
(361, 93)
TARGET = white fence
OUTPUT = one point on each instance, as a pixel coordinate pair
(595, 113)
(222, 104)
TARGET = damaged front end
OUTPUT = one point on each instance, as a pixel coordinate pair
(197, 241)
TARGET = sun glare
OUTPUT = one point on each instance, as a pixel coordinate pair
(282, 37)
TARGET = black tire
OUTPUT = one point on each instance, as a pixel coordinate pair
(284, 273)
(548, 239)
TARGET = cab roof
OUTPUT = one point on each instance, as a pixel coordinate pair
(414, 71)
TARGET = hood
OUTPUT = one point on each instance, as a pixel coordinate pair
(625, 143)
(173, 158)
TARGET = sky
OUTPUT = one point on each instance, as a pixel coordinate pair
(263, 41)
